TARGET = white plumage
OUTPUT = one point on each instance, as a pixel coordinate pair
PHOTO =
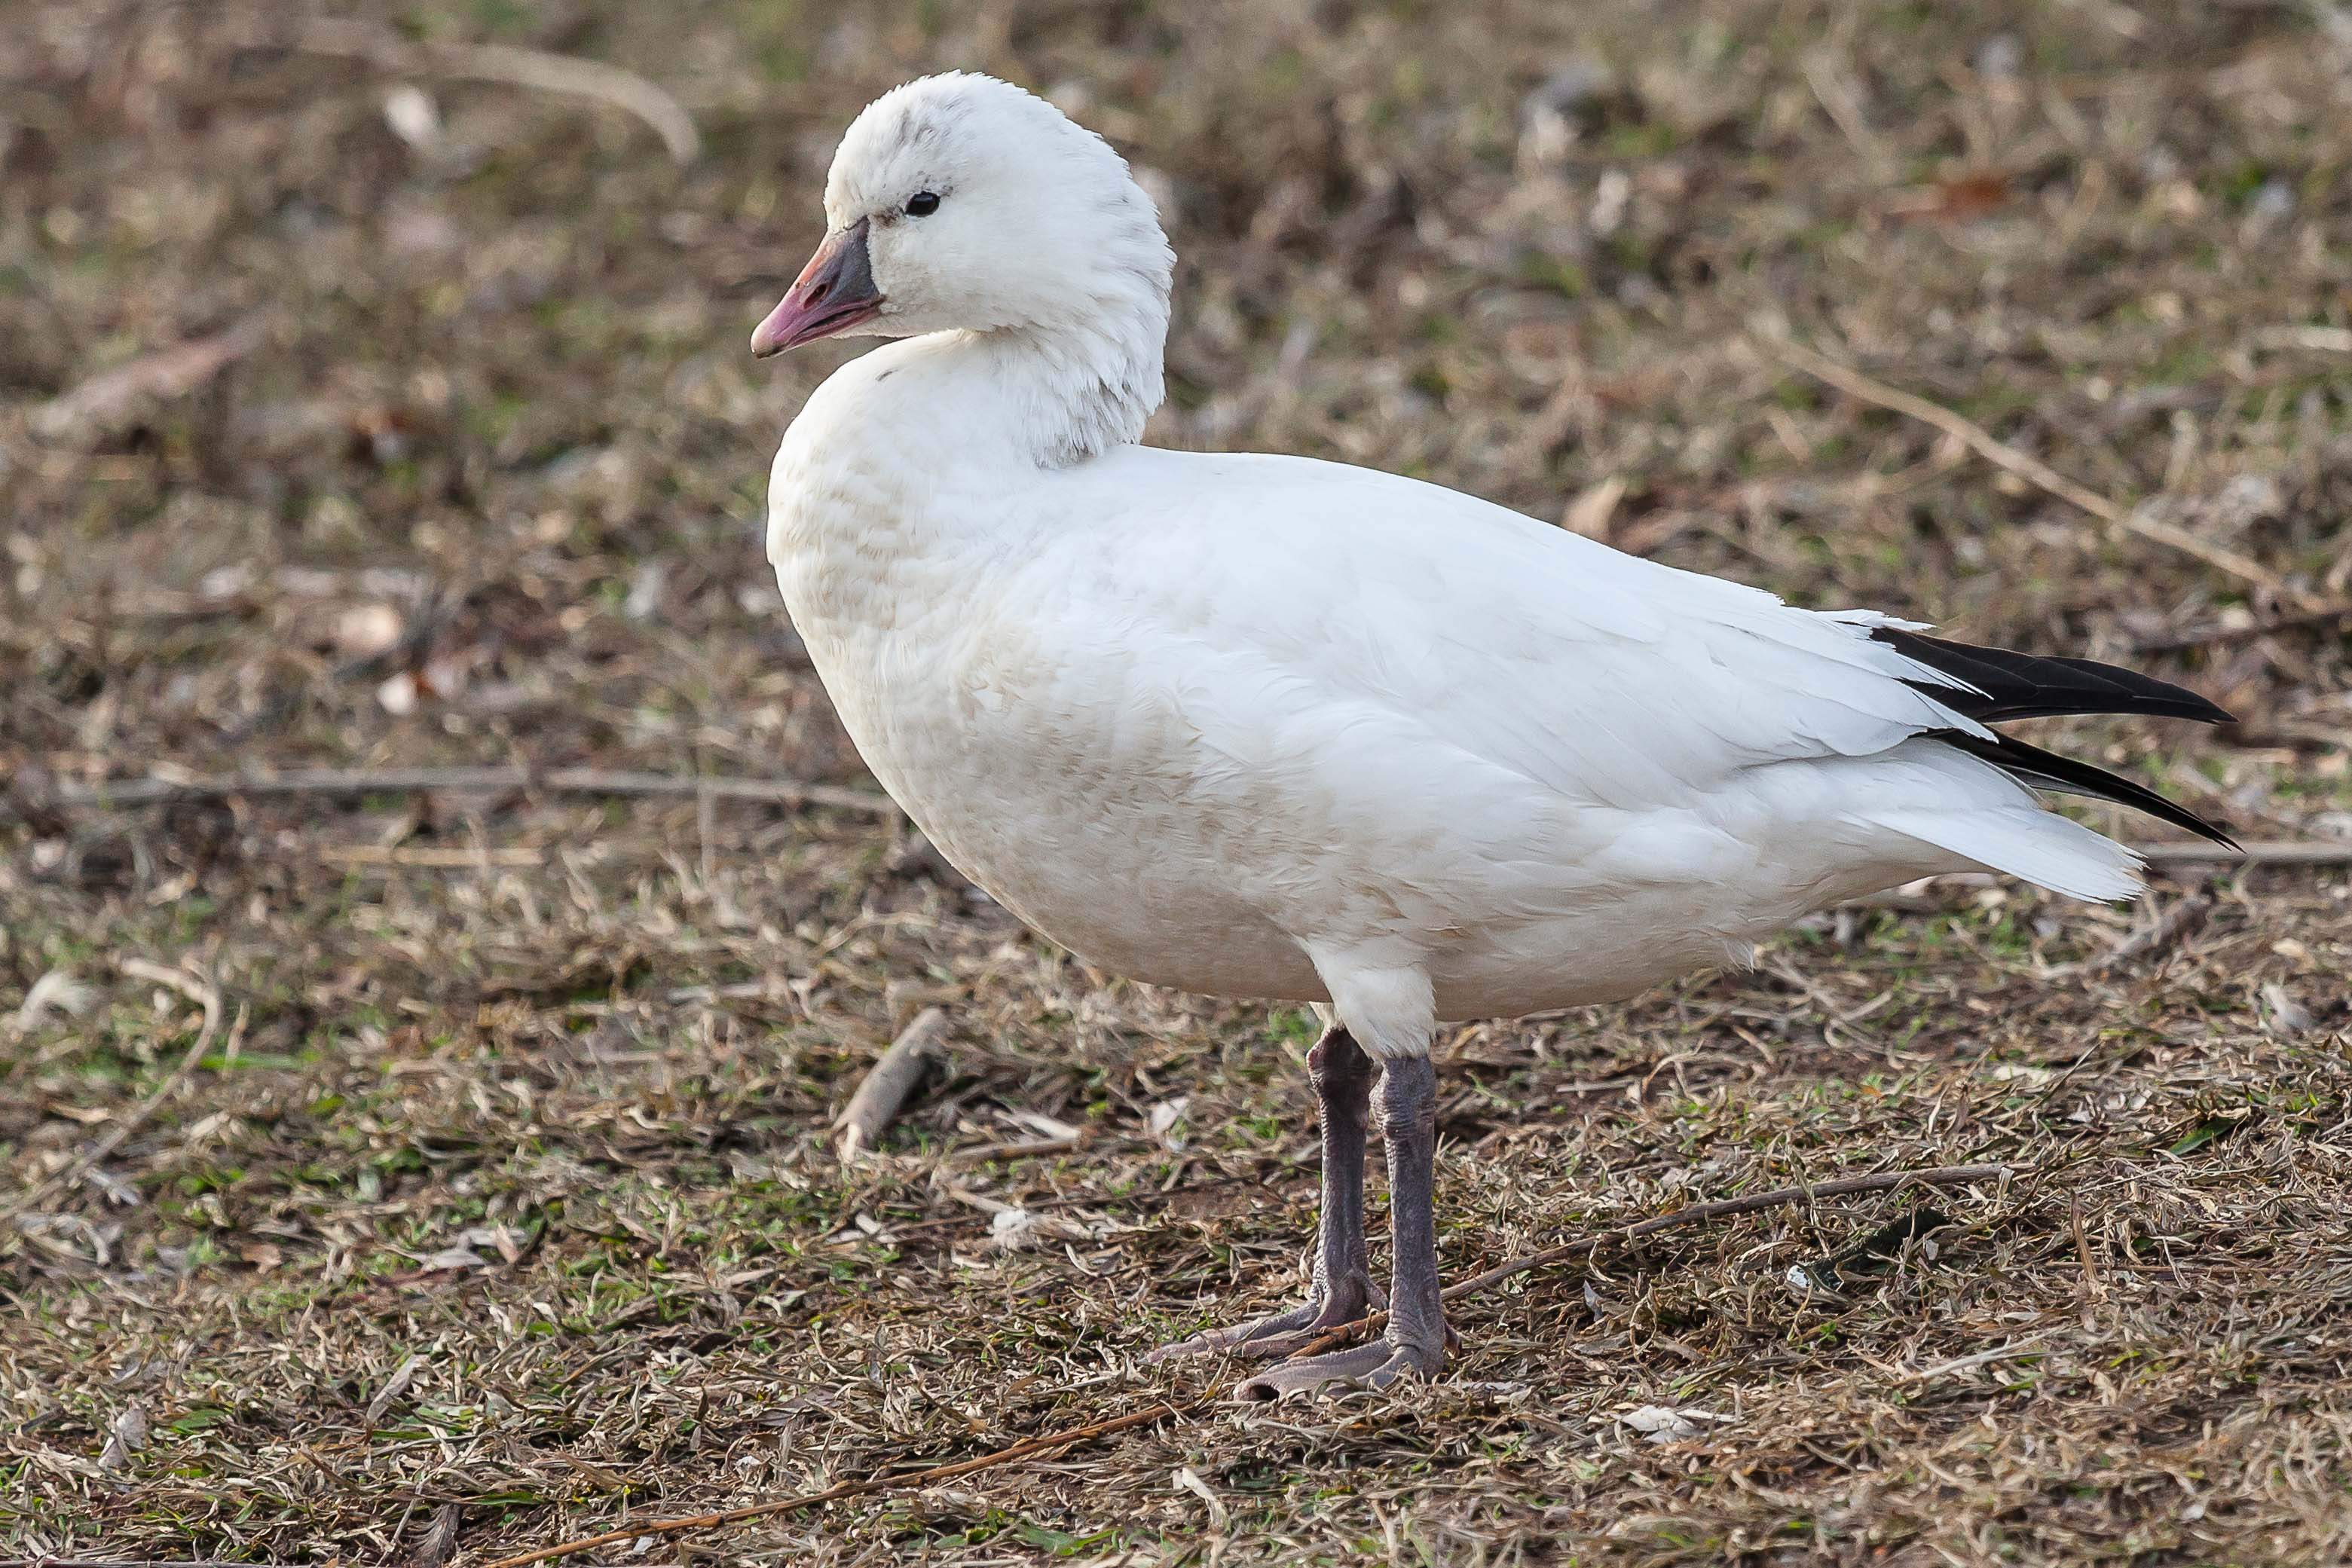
(1266, 727)
(1261, 725)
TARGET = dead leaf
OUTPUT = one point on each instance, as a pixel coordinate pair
(54, 992)
(439, 1541)
(1663, 1424)
(1189, 1479)
(453, 1258)
(126, 1438)
(1955, 200)
(2281, 1014)
(504, 1239)
(1164, 1117)
(394, 1387)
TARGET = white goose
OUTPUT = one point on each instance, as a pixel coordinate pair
(1265, 726)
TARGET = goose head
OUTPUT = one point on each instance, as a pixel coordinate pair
(960, 202)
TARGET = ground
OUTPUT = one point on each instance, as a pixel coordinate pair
(501, 1204)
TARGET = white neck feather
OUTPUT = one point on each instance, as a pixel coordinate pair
(1083, 386)
(1076, 393)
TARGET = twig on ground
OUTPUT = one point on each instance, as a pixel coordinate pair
(1018, 1149)
(2208, 636)
(104, 402)
(1046, 1442)
(889, 1081)
(349, 783)
(624, 90)
(451, 857)
(2320, 340)
(2289, 852)
(2026, 1346)
(2032, 470)
(197, 991)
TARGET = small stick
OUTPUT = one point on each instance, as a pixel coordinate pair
(1942, 1175)
(624, 90)
(2208, 636)
(2083, 1249)
(1021, 1149)
(2034, 471)
(1981, 1358)
(889, 1081)
(2307, 851)
(106, 400)
(448, 857)
(356, 781)
(197, 991)
(2320, 340)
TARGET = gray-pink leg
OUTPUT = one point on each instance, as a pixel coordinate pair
(1343, 1288)
(1416, 1336)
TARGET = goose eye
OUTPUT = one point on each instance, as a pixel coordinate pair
(922, 204)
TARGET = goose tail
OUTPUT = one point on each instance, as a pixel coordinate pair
(1988, 686)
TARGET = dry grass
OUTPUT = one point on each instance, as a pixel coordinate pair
(504, 1201)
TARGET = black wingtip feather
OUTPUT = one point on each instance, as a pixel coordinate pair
(2027, 686)
(2010, 685)
(2048, 770)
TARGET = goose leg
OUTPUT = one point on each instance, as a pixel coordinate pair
(1416, 1337)
(1343, 1288)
